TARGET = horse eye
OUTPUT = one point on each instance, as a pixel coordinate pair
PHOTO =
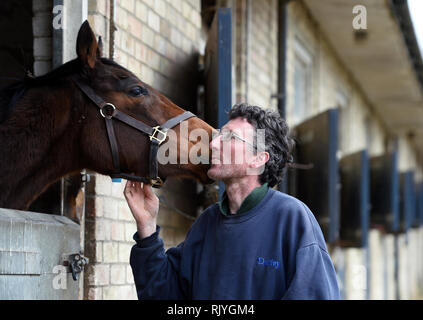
(138, 91)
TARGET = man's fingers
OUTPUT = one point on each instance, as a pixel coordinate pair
(131, 185)
(148, 190)
(128, 186)
(128, 194)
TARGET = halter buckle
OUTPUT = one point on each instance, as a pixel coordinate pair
(107, 114)
(157, 182)
(157, 130)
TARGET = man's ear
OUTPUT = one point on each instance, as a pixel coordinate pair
(261, 158)
(257, 166)
(87, 46)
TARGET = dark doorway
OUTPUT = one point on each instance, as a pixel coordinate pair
(16, 40)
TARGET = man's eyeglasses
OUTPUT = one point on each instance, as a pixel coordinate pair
(227, 135)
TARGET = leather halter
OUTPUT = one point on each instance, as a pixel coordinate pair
(156, 134)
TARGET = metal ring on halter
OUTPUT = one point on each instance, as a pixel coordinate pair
(157, 182)
(107, 116)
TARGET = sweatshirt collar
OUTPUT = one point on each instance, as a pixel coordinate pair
(249, 202)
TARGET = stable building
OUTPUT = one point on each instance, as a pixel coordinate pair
(351, 92)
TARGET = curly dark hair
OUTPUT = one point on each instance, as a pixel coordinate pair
(278, 143)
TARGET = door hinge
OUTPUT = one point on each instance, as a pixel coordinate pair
(76, 263)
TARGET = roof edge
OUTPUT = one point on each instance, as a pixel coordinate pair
(401, 13)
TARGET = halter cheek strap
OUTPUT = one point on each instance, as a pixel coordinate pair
(156, 134)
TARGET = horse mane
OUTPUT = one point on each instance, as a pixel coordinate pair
(12, 93)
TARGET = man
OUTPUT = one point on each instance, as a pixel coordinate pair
(257, 243)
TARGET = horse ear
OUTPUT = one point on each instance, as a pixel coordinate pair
(86, 45)
(100, 47)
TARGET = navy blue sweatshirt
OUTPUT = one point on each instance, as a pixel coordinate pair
(276, 250)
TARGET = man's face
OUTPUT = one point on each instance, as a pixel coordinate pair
(232, 158)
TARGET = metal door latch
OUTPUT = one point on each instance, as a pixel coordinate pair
(76, 263)
(85, 177)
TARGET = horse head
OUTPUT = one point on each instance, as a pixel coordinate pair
(133, 97)
(56, 128)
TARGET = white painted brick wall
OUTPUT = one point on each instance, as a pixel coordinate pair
(152, 37)
(403, 267)
(355, 280)
(42, 32)
(376, 274)
(413, 253)
(388, 241)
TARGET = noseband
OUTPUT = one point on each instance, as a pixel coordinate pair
(156, 134)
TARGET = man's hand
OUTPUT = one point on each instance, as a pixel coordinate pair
(144, 206)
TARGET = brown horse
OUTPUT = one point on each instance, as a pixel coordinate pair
(49, 128)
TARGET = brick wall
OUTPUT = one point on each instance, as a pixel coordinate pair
(256, 50)
(109, 227)
(158, 41)
(43, 33)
